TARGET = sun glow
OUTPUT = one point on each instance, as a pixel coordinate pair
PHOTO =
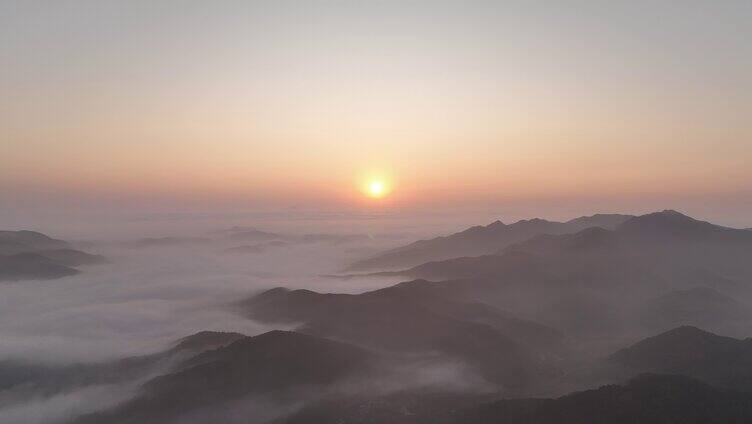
(375, 185)
(376, 188)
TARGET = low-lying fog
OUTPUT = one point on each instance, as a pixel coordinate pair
(151, 295)
(532, 308)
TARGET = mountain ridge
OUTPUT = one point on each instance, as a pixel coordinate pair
(479, 240)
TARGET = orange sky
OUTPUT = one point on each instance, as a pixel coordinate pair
(275, 103)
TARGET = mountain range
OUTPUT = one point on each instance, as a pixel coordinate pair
(646, 399)
(480, 240)
(653, 238)
(588, 321)
(29, 255)
(722, 361)
(408, 319)
(679, 376)
(272, 363)
(48, 379)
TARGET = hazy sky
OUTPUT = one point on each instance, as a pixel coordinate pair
(259, 104)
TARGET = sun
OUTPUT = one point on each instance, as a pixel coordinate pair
(375, 185)
(376, 189)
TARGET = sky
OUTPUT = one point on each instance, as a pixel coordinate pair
(530, 105)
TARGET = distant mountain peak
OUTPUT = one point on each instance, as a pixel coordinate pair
(275, 291)
(207, 340)
(533, 221)
(496, 225)
(280, 334)
(672, 223)
(676, 338)
(666, 214)
(31, 239)
(682, 348)
(687, 330)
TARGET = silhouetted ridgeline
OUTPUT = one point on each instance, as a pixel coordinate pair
(500, 347)
(46, 379)
(29, 255)
(271, 364)
(646, 399)
(604, 281)
(595, 320)
(722, 361)
(481, 240)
